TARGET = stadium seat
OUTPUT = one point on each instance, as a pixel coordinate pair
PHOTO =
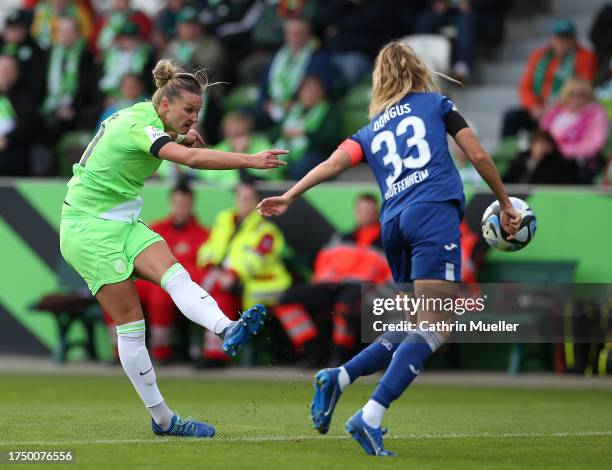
(69, 307)
(528, 271)
(435, 49)
(543, 272)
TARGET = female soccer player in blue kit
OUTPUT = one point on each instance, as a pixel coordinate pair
(406, 148)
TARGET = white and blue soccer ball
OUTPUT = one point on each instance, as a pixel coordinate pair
(496, 236)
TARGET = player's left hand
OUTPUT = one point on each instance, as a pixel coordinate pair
(510, 220)
(193, 139)
(271, 206)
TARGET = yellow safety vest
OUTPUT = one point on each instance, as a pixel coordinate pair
(260, 268)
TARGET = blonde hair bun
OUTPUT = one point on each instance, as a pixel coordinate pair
(164, 71)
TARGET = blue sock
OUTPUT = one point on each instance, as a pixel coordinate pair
(407, 363)
(376, 356)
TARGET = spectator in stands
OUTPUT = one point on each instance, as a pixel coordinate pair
(579, 125)
(352, 37)
(602, 43)
(165, 23)
(193, 48)
(72, 101)
(109, 24)
(340, 269)
(308, 130)
(46, 14)
(458, 14)
(184, 235)
(128, 54)
(299, 56)
(238, 136)
(232, 21)
(489, 21)
(17, 42)
(131, 91)
(266, 35)
(17, 121)
(542, 163)
(547, 69)
(242, 262)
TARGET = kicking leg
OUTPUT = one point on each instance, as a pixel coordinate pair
(158, 265)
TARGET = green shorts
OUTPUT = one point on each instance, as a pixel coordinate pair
(102, 251)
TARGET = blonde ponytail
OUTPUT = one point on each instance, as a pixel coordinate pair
(398, 70)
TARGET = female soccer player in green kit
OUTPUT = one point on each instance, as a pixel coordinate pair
(102, 237)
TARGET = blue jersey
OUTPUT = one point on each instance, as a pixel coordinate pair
(407, 150)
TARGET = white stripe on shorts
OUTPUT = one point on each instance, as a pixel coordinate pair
(450, 272)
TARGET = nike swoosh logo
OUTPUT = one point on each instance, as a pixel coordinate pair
(145, 373)
(331, 403)
(205, 297)
(414, 370)
(452, 246)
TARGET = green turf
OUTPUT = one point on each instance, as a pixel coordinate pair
(102, 421)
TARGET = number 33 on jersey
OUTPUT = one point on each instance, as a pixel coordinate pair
(407, 150)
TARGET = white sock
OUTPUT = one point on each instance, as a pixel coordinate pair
(162, 415)
(373, 413)
(343, 379)
(137, 365)
(193, 301)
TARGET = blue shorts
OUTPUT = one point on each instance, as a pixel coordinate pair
(424, 242)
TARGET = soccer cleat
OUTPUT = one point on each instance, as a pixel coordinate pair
(327, 393)
(185, 428)
(369, 438)
(239, 332)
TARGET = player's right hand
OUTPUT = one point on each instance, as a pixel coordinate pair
(268, 159)
(271, 206)
(510, 220)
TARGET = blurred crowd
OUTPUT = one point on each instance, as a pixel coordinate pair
(281, 69)
(565, 103)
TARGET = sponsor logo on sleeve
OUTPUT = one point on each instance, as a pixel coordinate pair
(154, 133)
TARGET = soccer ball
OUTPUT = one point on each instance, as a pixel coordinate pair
(495, 235)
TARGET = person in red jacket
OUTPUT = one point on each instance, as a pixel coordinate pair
(184, 236)
(547, 69)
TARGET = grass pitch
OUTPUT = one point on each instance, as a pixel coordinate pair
(265, 424)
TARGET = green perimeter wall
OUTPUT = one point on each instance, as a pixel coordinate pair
(573, 225)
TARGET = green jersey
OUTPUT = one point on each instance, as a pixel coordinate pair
(108, 179)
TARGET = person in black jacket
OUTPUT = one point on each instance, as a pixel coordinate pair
(17, 114)
(16, 41)
(353, 31)
(602, 43)
(542, 163)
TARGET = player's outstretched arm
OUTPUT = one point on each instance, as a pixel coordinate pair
(210, 159)
(469, 143)
(338, 162)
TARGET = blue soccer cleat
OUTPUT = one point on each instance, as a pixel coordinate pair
(369, 438)
(327, 393)
(239, 332)
(185, 428)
